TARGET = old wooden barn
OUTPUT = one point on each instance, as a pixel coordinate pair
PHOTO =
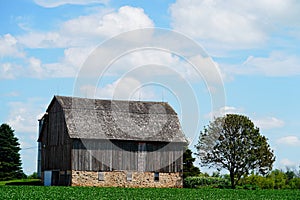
(93, 142)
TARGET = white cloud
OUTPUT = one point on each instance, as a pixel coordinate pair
(23, 116)
(11, 94)
(223, 111)
(234, 24)
(78, 36)
(89, 30)
(125, 19)
(10, 70)
(55, 3)
(277, 64)
(136, 59)
(9, 47)
(38, 39)
(268, 123)
(123, 88)
(263, 123)
(289, 140)
(288, 163)
(34, 68)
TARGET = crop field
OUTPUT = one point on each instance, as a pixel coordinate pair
(41, 192)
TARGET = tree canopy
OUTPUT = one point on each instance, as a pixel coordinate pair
(232, 142)
(188, 164)
(10, 161)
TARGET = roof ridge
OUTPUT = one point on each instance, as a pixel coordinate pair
(112, 100)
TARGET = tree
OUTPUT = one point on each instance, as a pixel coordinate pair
(188, 164)
(10, 161)
(232, 142)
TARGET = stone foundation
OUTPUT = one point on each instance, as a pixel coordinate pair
(120, 179)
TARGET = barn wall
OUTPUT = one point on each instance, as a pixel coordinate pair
(104, 155)
(119, 179)
(55, 142)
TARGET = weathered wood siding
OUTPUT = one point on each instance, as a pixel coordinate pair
(104, 155)
(56, 144)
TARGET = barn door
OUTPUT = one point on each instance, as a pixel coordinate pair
(55, 177)
(142, 157)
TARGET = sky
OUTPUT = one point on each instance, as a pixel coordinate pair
(246, 61)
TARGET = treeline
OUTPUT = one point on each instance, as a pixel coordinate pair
(276, 179)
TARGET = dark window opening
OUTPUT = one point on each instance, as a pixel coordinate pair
(156, 176)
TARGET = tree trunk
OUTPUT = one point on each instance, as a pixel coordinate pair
(232, 179)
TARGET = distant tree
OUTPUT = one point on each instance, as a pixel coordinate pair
(10, 161)
(290, 174)
(232, 142)
(279, 178)
(34, 175)
(188, 164)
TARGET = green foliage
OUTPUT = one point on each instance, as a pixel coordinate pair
(202, 181)
(34, 175)
(86, 193)
(279, 178)
(233, 142)
(188, 164)
(10, 161)
(258, 181)
(294, 183)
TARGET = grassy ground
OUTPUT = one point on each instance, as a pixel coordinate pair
(21, 182)
(41, 192)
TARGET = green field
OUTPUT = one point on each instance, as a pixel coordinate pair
(21, 182)
(41, 192)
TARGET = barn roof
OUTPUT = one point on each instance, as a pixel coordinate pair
(125, 120)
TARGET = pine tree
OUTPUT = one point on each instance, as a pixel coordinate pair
(10, 161)
(188, 164)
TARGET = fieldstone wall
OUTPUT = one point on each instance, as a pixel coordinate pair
(119, 179)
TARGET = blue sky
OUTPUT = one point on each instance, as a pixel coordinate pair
(254, 45)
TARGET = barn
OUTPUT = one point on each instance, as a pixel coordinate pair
(110, 143)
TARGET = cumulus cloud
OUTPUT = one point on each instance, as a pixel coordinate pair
(34, 68)
(287, 163)
(263, 123)
(88, 30)
(77, 36)
(277, 64)
(56, 3)
(223, 111)
(124, 88)
(9, 70)
(234, 24)
(166, 60)
(9, 47)
(125, 19)
(23, 116)
(268, 123)
(289, 140)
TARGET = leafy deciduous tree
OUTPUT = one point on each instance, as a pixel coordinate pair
(232, 142)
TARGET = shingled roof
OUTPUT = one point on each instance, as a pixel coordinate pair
(123, 120)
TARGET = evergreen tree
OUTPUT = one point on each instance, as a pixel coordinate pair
(10, 161)
(188, 164)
